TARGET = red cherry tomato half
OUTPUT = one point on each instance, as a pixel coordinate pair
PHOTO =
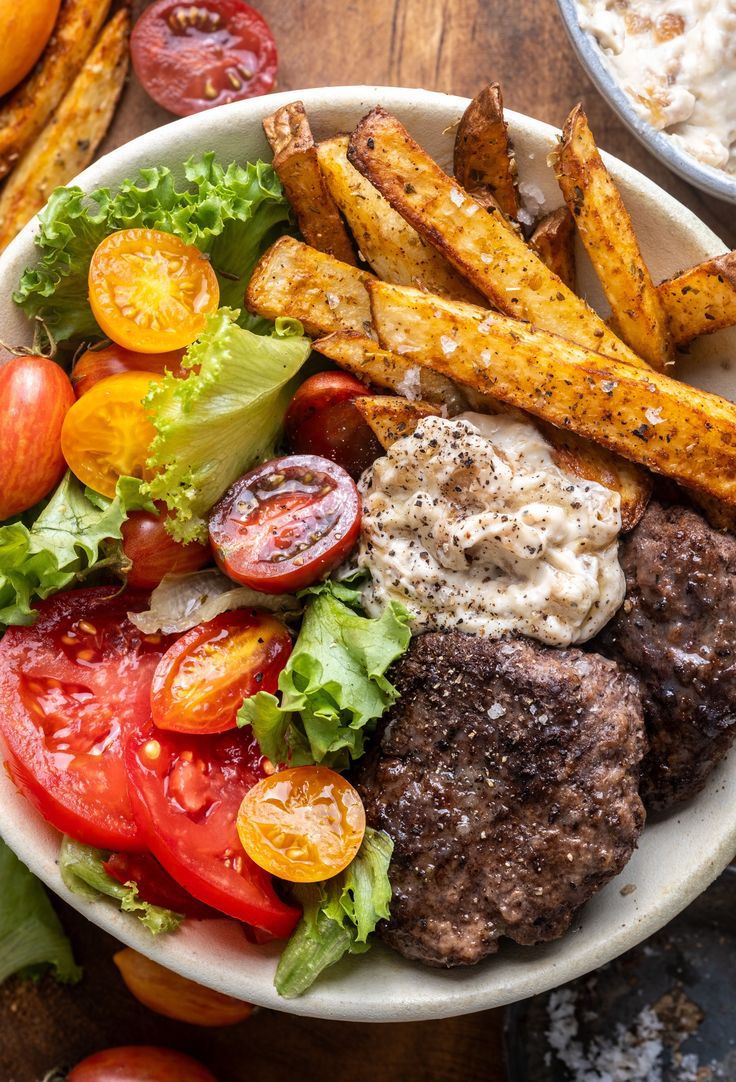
(154, 884)
(140, 1063)
(97, 364)
(73, 688)
(154, 552)
(202, 679)
(193, 56)
(285, 524)
(35, 395)
(186, 791)
(323, 420)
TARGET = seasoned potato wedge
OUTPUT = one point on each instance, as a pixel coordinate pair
(391, 417)
(69, 141)
(394, 250)
(649, 418)
(553, 240)
(295, 161)
(701, 300)
(497, 261)
(606, 230)
(484, 162)
(24, 113)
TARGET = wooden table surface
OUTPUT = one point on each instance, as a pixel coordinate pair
(449, 45)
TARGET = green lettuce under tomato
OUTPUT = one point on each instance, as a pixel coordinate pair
(233, 214)
(339, 916)
(223, 418)
(75, 534)
(31, 937)
(83, 872)
(333, 687)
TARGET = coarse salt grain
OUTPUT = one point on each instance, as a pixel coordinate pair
(496, 711)
(457, 197)
(449, 345)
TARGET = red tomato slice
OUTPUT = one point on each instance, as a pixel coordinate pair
(201, 681)
(323, 420)
(73, 688)
(186, 791)
(285, 524)
(193, 56)
(154, 884)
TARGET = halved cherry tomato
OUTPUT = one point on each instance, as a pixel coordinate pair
(149, 291)
(154, 884)
(35, 394)
(97, 364)
(155, 553)
(192, 56)
(107, 433)
(282, 526)
(304, 824)
(73, 688)
(323, 420)
(140, 1063)
(186, 791)
(201, 681)
(176, 997)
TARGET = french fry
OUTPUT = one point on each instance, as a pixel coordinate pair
(484, 162)
(606, 230)
(394, 250)
(70, 139)
(295, 161)
(497, 261)
(701, 300)
(671, 428)
(391, 418)
(553, 240)
(26, 110)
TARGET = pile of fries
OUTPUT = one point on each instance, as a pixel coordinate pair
(53, 122)
(461, 311)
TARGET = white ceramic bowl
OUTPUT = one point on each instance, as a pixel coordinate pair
(678, 857)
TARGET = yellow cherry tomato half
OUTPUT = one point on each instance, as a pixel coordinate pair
(107, 433)
(149, 291)
(303, 825)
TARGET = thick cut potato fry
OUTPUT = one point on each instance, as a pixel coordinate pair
(24, 113)
(649, 418)
(70, 139)
(701, 300)
(484, 162)
(497, 261)
(394, 251)
(392, 418)
(295, 161)
(606, 230)
(553, 240)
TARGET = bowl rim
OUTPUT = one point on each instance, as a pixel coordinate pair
(713, 181)
(446, 993)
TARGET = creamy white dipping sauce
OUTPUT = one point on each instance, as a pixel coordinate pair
(471, 525)
(676, 59)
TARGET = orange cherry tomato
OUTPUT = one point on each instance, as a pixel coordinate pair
(107, 433)
(303, 825)
(149, 291)
(97, 364)
(26, 30)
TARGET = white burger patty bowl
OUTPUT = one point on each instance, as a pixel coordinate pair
(677, 857)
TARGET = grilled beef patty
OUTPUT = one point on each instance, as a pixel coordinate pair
(677, 632)
(507, 775)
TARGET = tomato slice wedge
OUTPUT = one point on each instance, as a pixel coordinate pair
(285, 524)
(154, 884)
(204, 676)
(322, 419)
(186, 791)
(74, 687)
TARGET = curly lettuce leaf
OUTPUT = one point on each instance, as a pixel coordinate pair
(333, 687)
(233, 214)
(31, 936)
(74, 535)
(339, 916)
(82, 870)
(223, 418)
